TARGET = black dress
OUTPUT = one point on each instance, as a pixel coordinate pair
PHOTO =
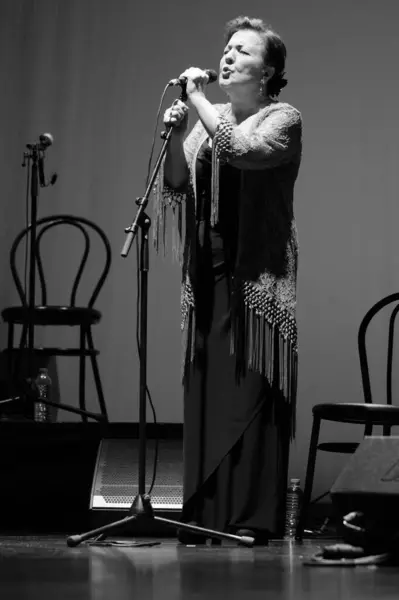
(236, 444)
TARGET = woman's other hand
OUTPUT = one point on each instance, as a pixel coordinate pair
(177, 117)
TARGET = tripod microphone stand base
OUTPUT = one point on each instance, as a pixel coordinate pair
(141, 509)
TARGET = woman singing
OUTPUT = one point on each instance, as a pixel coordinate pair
(231, 182)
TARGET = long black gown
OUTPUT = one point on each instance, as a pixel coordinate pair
(236, 436)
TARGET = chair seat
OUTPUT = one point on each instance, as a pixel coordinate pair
(339, 447)
(52, 315)
(356, 412)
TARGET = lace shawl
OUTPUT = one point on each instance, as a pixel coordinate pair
(262, 326)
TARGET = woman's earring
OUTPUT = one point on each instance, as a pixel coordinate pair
(262, 87)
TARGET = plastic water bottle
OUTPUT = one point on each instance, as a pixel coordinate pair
(43, 388)
(293, 508)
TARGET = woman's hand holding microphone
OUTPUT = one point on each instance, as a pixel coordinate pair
(177, 115)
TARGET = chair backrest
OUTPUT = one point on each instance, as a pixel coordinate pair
(87, 228)
(364, 364)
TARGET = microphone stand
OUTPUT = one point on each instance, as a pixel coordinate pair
(33, 160)
(141, 507)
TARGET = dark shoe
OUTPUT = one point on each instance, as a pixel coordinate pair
(261, 537)
(189, 538)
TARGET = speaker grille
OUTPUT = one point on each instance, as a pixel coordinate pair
(116, 474)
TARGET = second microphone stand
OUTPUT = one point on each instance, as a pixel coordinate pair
(33, 159)
(141, 507)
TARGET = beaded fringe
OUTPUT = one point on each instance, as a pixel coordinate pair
(215, 186)
(165, 198)
(257, 346)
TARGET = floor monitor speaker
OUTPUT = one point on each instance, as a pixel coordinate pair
(370, 480)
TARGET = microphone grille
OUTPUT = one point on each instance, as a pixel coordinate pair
(46, 139)
(212, 75)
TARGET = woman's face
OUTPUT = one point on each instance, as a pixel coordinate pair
(242, 63)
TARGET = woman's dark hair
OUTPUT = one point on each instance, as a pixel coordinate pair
(275, 50)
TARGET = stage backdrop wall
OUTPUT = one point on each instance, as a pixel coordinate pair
(92, 72)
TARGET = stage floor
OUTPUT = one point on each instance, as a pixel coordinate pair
(44, 567)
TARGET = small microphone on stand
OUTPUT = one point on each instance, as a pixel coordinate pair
(45, 140)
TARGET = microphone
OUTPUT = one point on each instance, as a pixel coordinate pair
(183, 80)
(45, 140)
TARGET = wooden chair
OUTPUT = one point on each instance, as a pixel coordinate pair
(368, 414)
(71, 314)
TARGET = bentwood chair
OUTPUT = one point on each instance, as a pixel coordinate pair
(368, 414)
(80, 316)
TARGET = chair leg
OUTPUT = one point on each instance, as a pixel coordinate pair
(96, 373)
(368, 430)
(310, 469)
(10, 360)
(82, 373)
(16, 362)
(15, 357)
(10, 345)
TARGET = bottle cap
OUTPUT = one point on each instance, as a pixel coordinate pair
(293, 480)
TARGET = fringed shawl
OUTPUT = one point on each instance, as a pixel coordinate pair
(263, 330)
